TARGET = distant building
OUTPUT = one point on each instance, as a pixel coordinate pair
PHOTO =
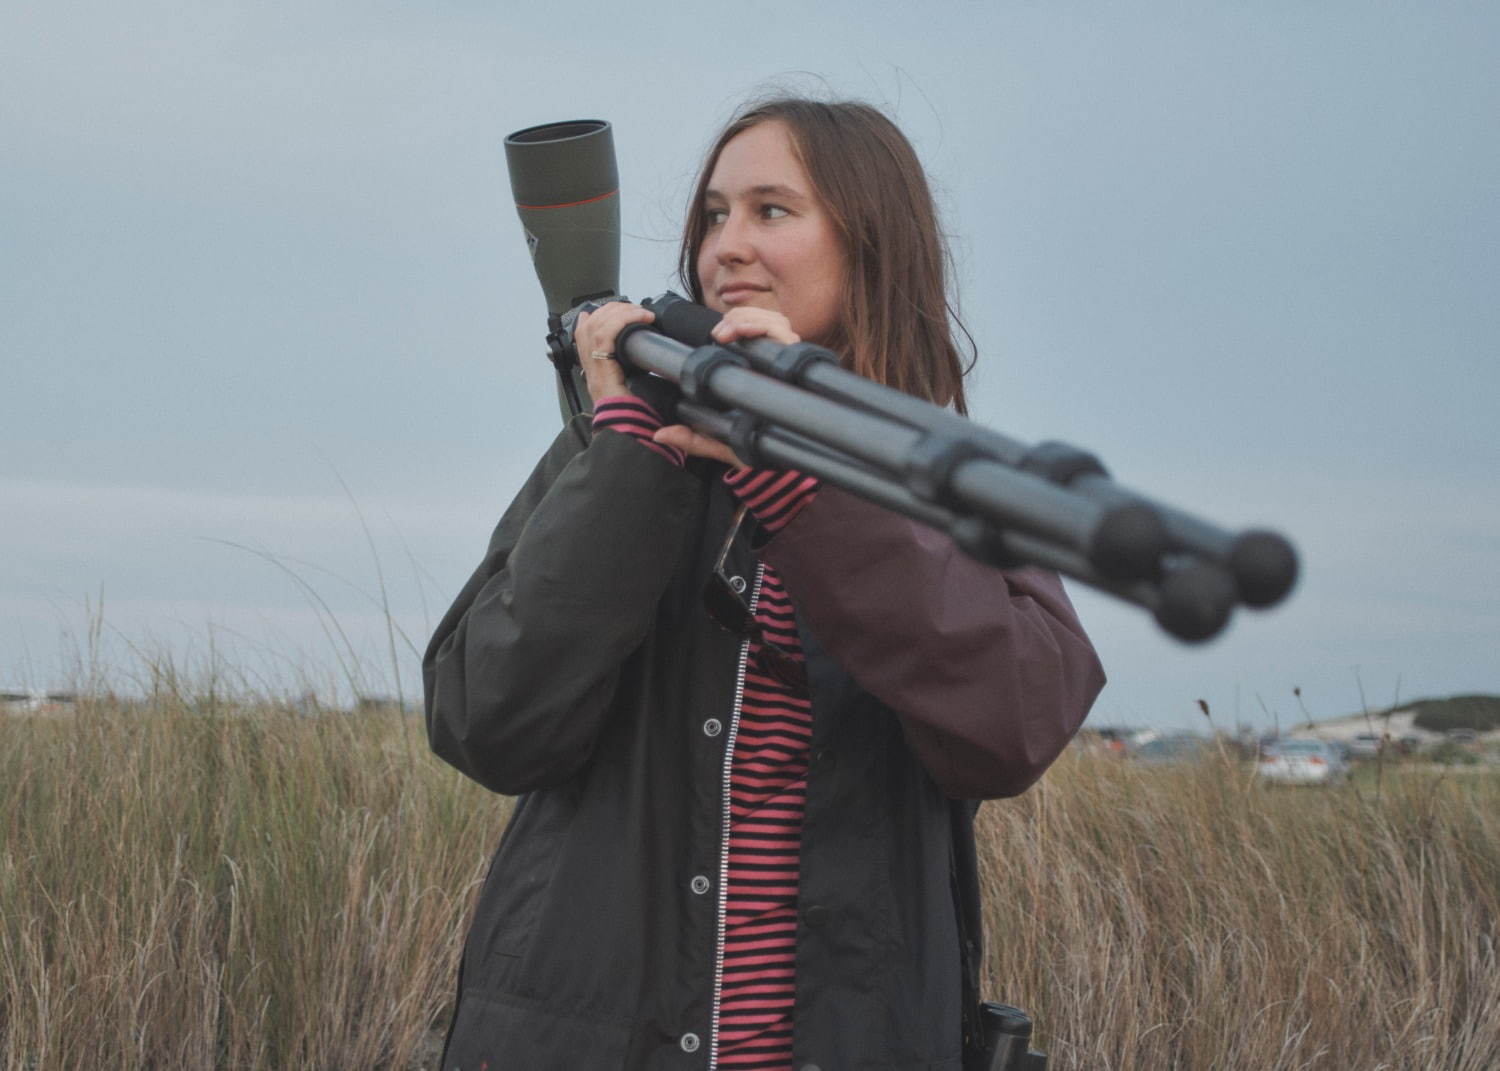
(36, 701)
(1397, 726)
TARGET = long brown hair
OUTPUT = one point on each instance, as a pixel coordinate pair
(898, 324)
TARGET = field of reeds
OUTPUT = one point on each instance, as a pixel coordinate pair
(200, 883)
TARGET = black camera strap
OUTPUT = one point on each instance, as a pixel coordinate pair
(963, 878)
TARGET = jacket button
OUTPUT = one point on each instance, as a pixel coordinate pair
(822, 759)
(713, 727)
(815, 916)
(689, 1043)
(700, 884)
(738, 583)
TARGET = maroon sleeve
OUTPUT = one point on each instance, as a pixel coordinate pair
(989, 670)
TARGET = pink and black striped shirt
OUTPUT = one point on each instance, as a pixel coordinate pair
(767, 786)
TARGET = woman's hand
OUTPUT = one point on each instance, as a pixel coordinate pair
(595, 335)
(741, 322)
(747, 321)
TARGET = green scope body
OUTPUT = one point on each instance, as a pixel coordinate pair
(567, 192)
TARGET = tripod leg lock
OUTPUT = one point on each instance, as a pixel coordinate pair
(793, 361)
(1061, 463)
(699, 367)
(930, 464)
(744, 437)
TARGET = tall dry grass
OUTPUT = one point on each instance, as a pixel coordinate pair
(1190, 918)
(198, 883)
(201, 884)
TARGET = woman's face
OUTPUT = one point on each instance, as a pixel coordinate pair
(769, 242)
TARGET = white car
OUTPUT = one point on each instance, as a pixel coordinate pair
(1365, 745)
(1302, 762)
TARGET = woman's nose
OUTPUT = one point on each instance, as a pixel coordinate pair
(735, 245)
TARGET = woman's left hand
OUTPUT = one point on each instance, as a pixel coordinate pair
(742, 322)
(747, 321)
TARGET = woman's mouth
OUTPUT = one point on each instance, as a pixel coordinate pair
(739, 293)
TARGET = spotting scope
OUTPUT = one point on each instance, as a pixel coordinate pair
(567, 192)
(1005, 502)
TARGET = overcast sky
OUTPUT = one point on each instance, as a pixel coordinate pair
(272, 347)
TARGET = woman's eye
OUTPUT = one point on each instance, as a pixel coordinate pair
(773, 211)
(715, 216)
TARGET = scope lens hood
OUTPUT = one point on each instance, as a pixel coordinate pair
(566, 188)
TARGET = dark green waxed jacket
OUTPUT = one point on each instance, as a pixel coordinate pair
(578, 671)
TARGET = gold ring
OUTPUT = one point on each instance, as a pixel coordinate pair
(600, 355)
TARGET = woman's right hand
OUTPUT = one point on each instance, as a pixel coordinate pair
(594, 336)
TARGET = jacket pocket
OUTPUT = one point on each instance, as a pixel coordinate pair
(506, 915)
(494, 1032)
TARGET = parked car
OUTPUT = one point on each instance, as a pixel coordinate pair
(1178, 747)
(1302, 762)
(1365, 745)
(1410, 744)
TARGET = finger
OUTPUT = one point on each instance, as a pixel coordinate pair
(755, 323)
(696, 444)
(598, 332)
(596, 337)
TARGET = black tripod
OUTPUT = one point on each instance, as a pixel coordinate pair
(1006, 503)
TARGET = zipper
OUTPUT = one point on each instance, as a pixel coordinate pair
(734, 730)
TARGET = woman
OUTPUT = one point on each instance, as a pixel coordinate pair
(740, 831)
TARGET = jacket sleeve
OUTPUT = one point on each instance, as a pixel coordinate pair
(522, 669)
(989, 670)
